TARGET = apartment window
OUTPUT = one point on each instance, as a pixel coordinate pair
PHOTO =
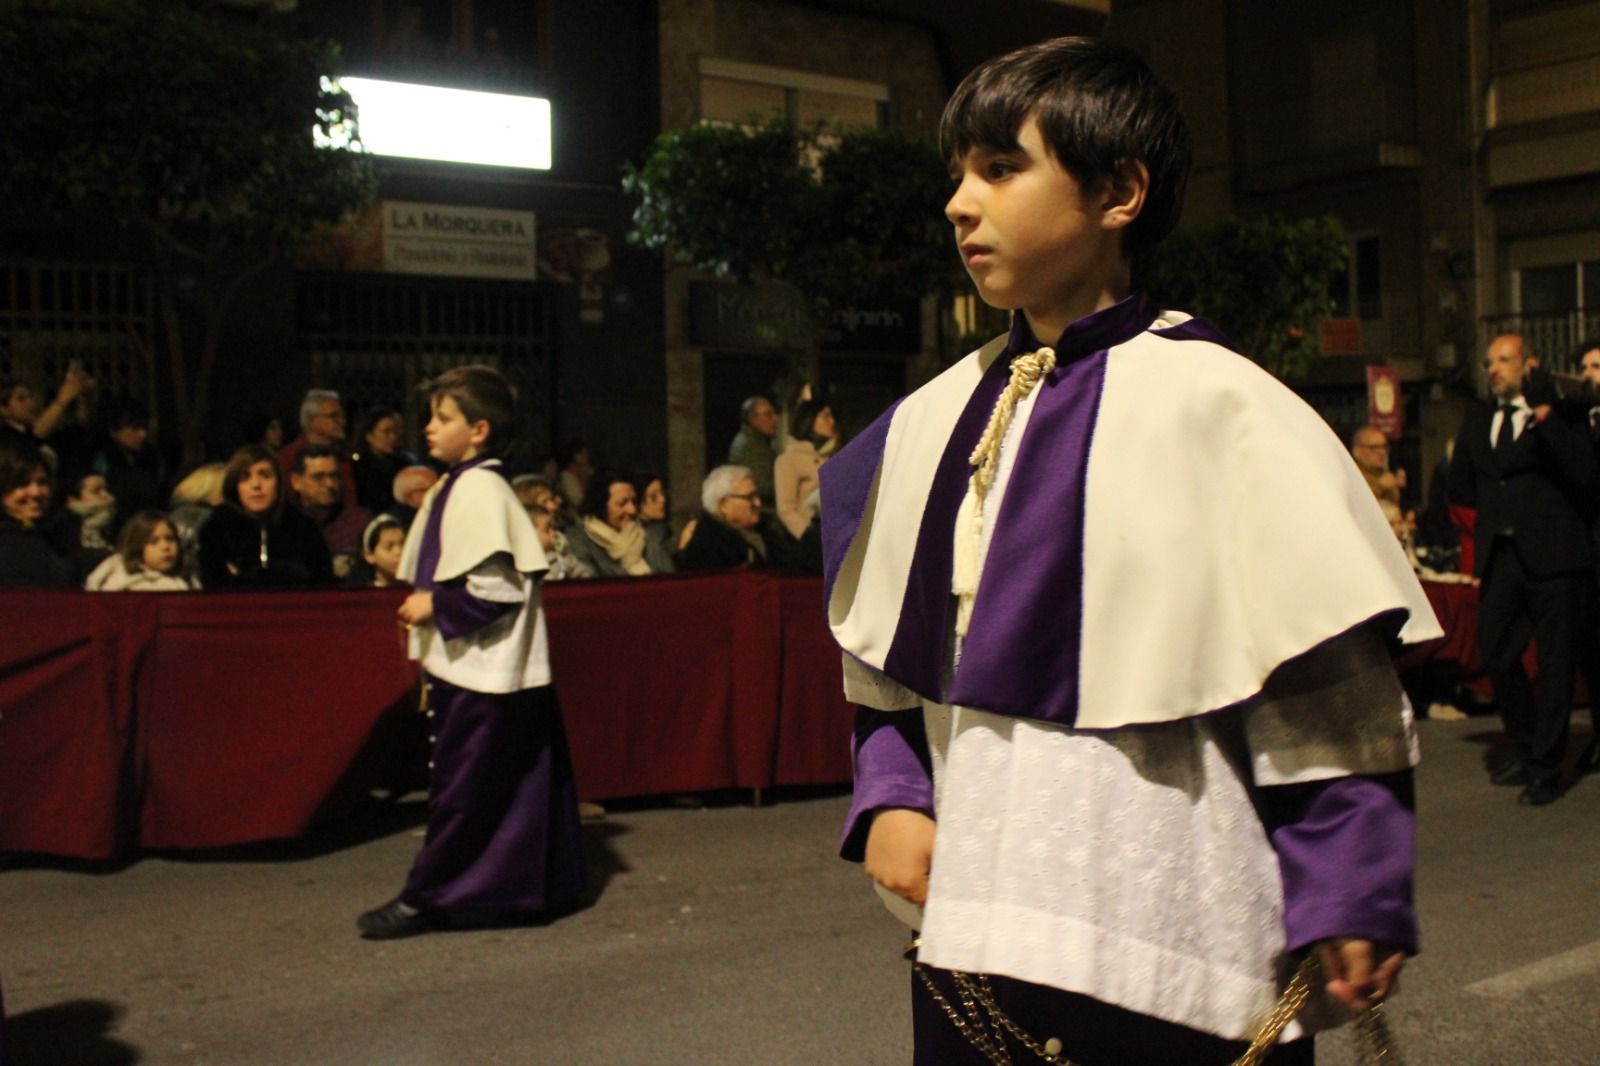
(1559, 288)
(1357, 291)
(731, 91)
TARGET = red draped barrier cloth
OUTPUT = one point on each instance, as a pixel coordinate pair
(69, 667)
(185, 720)
(815, 723)
(667, 684)
(260, 705)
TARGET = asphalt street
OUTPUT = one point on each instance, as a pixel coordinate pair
(728, 934)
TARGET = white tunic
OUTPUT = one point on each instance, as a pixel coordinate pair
(485, 537)
(1130, 865)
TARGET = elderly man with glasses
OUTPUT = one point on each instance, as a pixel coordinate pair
(729, 532)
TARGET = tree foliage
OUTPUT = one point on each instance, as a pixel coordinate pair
(847, 218)
(1263, 283)
(188, 128)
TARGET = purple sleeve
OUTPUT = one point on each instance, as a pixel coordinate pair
(458, 612)
(1347, 850)
(892, 769)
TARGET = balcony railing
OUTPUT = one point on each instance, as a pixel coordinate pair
(1553, 336)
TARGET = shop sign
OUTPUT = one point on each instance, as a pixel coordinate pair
(1339, 336)
(480, 242)
(773, 316)
(399, 237)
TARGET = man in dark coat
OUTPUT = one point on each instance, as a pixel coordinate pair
(729, 532)
(1533, 480)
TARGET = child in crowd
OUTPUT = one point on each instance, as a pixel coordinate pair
(90, 499)
(503, 834)
(148, 558)
(1117, 607)
(563, 564)
(381, 544)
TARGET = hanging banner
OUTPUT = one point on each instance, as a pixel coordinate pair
(1384, 409)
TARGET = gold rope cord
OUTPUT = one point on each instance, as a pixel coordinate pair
(985, 1026)
(1026, 372)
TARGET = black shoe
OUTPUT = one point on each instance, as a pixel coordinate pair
(1589, 761)
(1539, 793)
(1514, 772)
(394, 920)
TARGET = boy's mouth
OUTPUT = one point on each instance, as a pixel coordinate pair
(975, 253)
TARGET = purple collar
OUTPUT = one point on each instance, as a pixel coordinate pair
(428, 553)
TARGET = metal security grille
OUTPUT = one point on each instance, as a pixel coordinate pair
(375, 339)
(101, 314)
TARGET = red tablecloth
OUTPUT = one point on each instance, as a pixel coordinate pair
(195, 720)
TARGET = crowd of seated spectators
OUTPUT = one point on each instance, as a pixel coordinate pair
(90, 501)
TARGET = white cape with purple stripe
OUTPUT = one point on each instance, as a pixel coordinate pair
(1178, 524)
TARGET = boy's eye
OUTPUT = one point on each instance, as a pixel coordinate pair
(999, 168)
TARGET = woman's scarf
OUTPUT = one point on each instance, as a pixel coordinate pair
(626, 546)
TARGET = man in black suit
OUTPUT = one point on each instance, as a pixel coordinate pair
(1533, 480)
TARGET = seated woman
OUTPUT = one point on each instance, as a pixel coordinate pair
(193, 499)
(378, 458)
(608, 538)
(730, 532)
(254, 539)
(652, 494)
(149, 558)
(39, 547)
(794, 474)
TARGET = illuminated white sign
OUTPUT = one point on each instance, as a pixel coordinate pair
(452, 125)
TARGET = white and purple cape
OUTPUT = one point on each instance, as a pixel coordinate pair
(1179, 524)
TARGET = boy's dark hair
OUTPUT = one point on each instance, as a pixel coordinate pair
(484, 395)
(136, 533)
(1098, 106)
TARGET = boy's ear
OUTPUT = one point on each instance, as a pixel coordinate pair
(1123, 196)
(480, 432)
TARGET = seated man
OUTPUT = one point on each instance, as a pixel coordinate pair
(319, 494)
(410, 485)
(730, 532)
(1369, 446)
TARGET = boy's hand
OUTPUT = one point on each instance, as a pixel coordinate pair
(417, 609)
(1360, 973)
(900, 852)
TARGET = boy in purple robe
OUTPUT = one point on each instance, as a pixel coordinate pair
(503, 834)
(1116, 608)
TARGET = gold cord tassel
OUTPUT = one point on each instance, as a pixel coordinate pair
(1026, 372)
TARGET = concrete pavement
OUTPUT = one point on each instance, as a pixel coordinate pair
(719, 936)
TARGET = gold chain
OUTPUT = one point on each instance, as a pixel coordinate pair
(985, 1025)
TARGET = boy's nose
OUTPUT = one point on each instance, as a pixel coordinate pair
(960, 209)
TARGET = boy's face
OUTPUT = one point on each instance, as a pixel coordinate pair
(1032, 239)
(451, 438)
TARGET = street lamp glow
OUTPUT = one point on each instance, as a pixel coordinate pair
(452, 125)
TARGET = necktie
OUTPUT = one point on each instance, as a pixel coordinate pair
(1508, 430)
